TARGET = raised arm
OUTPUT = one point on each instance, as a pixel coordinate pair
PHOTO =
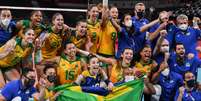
(153, 35)
(105, 16)
(159, 41)
(103, 59)
(115, 24)
(147, 26)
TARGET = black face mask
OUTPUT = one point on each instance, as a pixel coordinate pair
(29, 83)
(52, 78)
(191, 83)
(140, 14)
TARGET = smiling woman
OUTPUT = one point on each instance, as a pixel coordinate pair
(34, 22)
(54, 37)
(13, 52)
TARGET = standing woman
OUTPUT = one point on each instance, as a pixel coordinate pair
(126, 36)
(35, 23)
(54, 37)
(13, 52)
(93, 29)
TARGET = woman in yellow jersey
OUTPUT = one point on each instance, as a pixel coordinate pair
(93, 29)
(52, 40)
(70, 64)
(120, 68)
(145, 68)
(13, 52)
(109, 33)
(78, 37)
(145, 65)
(35, 23)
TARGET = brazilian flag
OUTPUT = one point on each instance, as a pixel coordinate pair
(129, 91)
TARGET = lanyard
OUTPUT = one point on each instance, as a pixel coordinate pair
(190, 95)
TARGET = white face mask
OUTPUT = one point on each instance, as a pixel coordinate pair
(165, 49)
(5, 22)
(166, 72)
(183, 27)
(17, 99)
(128, 23)
(129, 78)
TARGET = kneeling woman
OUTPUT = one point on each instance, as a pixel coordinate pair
(94, 80)
(12, 54)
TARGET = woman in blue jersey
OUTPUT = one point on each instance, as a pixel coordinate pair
(126, 35)
(94, 80)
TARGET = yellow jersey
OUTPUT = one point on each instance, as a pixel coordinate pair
(145, 69)
(15, 56)
(107, 39)
(68, 70)
(78, 40)
(51, 45)
(37, 29)
(49, 95)
(94, 32)
(116, 73)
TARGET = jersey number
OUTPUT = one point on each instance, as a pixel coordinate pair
(70, 75)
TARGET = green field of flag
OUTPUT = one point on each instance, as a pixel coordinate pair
(130, 91)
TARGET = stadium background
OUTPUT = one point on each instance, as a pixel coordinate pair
(188, 7)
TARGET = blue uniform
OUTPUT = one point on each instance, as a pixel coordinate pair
(16, 89)
(159, 58)
(189, 39)
(194, 95)
(7, 34)
(91, 84)
(140, 38)
(169, 85)
(188, 65)
(170, 30)
(139, 22)
(153, 29)
(125, 40)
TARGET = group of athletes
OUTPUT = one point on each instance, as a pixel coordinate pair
(101, 52)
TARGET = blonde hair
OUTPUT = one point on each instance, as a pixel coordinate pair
(139, 4)
(182, 17)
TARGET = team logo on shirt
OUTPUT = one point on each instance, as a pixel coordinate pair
(171, 81)
(188, 64)
(170, 29)
(18, 92)
(188, 33)
(178, 35)
(27, 92)
(9, 30)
